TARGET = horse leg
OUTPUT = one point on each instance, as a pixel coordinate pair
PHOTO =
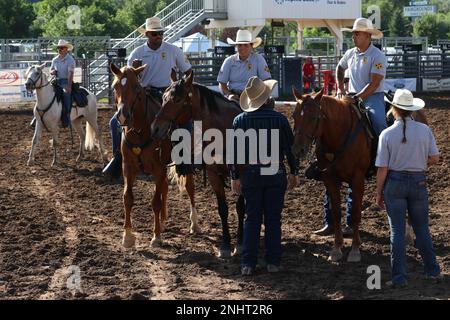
(157, 206)
(164, 192)
(55, 144)
(334, 190)
(357, 195)
(190, 189)
(128, 239)
(35, 141)
(218, 186)
(240, 210)
(77, 125)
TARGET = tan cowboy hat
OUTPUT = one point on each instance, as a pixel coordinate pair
(64, 43)
(245, 37)
(152, 24)
(365, 25)
(404, 99)
(256, 93)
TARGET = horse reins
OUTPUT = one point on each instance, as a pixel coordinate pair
(41, 113)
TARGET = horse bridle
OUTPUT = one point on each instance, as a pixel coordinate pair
(311, 137)
(129, 114)
(34, 82)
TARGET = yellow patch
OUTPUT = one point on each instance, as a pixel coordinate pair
(249, 66)
(364, 60)
(136, 150)
(266, 69)
(379, 66)
(163, 55)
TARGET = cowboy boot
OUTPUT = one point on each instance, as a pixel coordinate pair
(114, 167)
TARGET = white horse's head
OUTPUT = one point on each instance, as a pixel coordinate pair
(36, 78)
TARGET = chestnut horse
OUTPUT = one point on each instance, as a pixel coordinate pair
(185, 100)
(140, 152)
(343, 151)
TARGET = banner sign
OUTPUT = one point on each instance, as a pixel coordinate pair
(436, 84)
(405, 83)
(12, 85)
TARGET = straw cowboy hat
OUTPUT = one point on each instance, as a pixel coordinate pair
(256, 93)
(64, 43)
(245, 37)
(404, 99)
(152, 24)
(365, 25)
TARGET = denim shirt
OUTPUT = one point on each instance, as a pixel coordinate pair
(265, 118)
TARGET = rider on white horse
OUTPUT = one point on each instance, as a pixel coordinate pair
(63, 67)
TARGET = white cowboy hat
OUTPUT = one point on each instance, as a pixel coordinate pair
(152, 24)
(256, 93)
(404, 99)
(365, 25)
(245, 37)
(64, 43)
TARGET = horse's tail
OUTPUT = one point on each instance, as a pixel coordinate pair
(175, 178)
(89, 142)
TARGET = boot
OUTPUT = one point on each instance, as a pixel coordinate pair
(114, 167)
(313, 172)
(33, 122)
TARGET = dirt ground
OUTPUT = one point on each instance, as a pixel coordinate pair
(56, 220)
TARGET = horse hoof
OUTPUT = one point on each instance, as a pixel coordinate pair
(335, 255)
(238, 250)
(224, 253)
(195, 230)
(128, 239)
(156, 243)
(354, 256)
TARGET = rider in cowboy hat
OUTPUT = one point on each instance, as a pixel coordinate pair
(366, 66)
(405, 149)
(263, 192)
(63, 67)
(160, 57)
(238, 68)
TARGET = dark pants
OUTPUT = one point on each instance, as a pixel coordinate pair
(264, 197)
(328, 216)
(66, 103)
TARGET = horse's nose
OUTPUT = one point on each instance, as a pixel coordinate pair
(155, 131)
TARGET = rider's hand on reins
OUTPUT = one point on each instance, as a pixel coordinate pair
(236, 186)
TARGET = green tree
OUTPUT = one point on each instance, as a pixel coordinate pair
(15, 19)
(433, 26)
(399, 26)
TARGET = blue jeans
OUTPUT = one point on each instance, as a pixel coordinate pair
(116, 132)
(264, 196)
(376, 108)
(408, 192)
(328, 216)
(67, 101)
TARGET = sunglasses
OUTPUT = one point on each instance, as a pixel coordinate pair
(156, 33)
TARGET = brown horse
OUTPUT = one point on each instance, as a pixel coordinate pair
(184, 100)
(140, 152)
(343, 151)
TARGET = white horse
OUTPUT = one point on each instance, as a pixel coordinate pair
(47, 112)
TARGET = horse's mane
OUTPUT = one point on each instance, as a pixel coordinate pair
(211, 96)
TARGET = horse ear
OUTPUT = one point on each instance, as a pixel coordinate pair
(173, 75)
(114, 69)
(140, 69)
(189, 78)
(319, 95)
(296, 93)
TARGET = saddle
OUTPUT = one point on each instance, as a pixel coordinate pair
(79, 95)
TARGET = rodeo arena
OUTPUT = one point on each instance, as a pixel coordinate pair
(70, 229)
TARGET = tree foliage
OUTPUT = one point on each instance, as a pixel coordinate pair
(15, 16)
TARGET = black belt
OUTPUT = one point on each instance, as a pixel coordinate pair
(409, 172)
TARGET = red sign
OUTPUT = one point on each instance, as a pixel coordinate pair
(8, 77)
